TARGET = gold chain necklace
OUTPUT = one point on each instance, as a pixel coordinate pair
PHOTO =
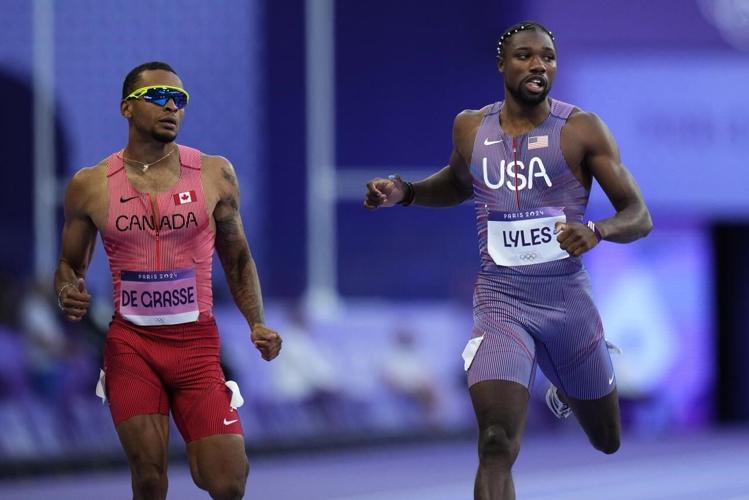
(146, 165)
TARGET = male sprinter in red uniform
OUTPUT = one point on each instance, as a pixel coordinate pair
(161, 208)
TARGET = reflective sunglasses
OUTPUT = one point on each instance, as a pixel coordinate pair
(160, 95)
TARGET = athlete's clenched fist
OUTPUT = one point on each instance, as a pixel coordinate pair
(267, 341)
(575, 238)
(384, 192)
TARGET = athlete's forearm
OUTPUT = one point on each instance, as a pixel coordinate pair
(64, 275)
(78, 243)
(443, 189)
(239, 268)
(629, 224)
(244, 283)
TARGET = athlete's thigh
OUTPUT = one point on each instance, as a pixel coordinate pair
(145, 439)
(216, 458)
(500, 370)
(598, 416)
(131, 384)
(571, 349)
(500, 403)
(201, 402)
(500, 351)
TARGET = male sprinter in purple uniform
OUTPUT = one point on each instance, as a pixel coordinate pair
(528, 162)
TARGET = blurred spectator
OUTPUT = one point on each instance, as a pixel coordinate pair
(44, 339)
(304, 378)
(47, 377)
(408, 374)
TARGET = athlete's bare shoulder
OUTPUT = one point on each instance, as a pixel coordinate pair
(88, 182)
(470, 118)
(585, 123)
(588, 130)
(213, 161)
(86, 194)
(219, 170)
(219, 181)
(90, 176)
(465, 127)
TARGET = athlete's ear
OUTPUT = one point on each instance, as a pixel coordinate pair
(500, 64)
(126, 108)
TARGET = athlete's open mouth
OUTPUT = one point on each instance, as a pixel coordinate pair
(535, 84)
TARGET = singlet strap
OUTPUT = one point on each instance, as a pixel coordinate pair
(561, 109)
(189, 157)
(115, 163)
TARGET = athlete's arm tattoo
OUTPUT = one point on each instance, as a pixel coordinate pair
(235, 255)
(229, 175)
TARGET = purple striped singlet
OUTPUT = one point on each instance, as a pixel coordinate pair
(532, 301)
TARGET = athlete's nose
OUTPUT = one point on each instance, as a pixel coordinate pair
(170, 105)
(537, 65)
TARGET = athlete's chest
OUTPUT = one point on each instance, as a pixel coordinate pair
(159, 205)
(154, 180)
(165, 213)
(542, 159)
(530, 162)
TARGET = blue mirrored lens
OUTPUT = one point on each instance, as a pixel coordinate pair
(160, 97)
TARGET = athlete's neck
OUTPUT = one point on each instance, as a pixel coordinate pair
(157, 153)
(517, 118)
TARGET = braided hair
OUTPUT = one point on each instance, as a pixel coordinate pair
(515, 28)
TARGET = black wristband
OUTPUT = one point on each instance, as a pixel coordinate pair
(409, 195)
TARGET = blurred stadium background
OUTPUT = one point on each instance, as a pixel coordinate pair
(310, 99)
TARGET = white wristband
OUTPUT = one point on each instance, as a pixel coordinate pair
(59, 294)
(592, 226)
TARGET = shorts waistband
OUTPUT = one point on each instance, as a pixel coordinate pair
(194, 328)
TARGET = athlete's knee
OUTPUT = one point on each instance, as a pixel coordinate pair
(498, 444)
(609, 446)
(228, 484)
(227, 488)
(149, 481)
(607, 440)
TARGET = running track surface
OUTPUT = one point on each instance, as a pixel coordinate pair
(701, 466)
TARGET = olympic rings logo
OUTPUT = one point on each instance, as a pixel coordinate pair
(527, 257)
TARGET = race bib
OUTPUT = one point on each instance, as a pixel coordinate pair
(150, 298)
(525, 237)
